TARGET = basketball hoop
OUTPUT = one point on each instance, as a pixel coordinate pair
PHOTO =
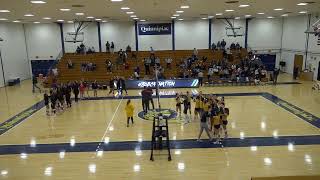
(77, 35)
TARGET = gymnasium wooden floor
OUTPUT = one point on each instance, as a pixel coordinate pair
(273, 131)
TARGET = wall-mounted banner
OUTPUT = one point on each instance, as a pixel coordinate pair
(154, 29)
(172, 83)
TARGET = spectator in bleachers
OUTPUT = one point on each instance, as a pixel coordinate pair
(82, 48)
(147, 63)
(157, 61)
(112, 47)
(219, 45)
(78, 50)
(152, 50)
(195, 52)
(70, 64)
(108, 47)
(213, 46)
(223, 44)
(128, 49)
(93, 50)
(168, 61)
(109, 65)
(232, 46)
(137, 73)
(112, 85)
(238, 47)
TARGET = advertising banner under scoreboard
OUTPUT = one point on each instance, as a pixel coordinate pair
(154, 29)
(171, 83)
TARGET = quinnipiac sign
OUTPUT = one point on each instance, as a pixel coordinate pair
(154, 29)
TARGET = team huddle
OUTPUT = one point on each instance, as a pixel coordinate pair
(210, 109)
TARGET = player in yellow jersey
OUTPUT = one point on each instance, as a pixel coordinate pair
(197, 110)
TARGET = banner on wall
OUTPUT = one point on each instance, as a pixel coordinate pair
(155, 29)
(170, 83)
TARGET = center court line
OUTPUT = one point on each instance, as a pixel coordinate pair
(108, 126)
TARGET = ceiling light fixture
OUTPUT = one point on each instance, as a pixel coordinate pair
(3, 19)
(125, 8)
(244, 5)
(70, 21)
(270, 17)
(176, 15)
(4, 11)
(28, 15)
(284, 15)
(104, 21)
(237, 18)
(210, 17)
(130, 12)
(248, 15)
(180, 19)
(79, 14)
(261, 13)
(173, 17)
(302, 4)
(60, 20)
(98, 19)
(219, 14)
(65, 9)
(36, 22)
(116, 0)
(179, 11)
(184, 7)
(204, 18)
(303, 12)
(133, 16)
(16, 21)
(38, 2)
(46, 18)
(142, 20)
(90, 17)
(278, 9)
(229, 10)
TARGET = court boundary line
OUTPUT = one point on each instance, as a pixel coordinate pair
(174, 144)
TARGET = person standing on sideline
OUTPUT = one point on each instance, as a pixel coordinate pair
(108, 47)
(75, 88)
(200, 77)
(129, 111)
(275, 75)
(149, 95)
(82, 88)
(295, 72)
(147, 63)
(46, 102)
(145, 100)
(112, 47)
(68, 95)
(111, 85)
(223, 44)
(204, 126)
(94, 86)
(34, 84)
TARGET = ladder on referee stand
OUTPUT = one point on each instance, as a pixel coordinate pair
(160, 131)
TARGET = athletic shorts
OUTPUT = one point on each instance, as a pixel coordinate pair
(217, 126)
(224, 122)
(178, 105)
(197, 109)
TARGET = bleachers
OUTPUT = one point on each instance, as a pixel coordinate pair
(101, 75)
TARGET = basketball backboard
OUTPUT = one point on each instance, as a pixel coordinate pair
(234, 31)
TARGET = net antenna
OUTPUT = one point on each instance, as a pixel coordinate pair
(231, 29)
(77, 35)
